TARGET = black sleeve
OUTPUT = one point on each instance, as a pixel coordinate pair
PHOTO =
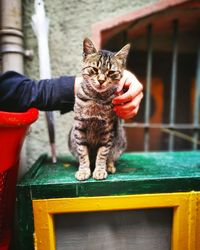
(19, 93)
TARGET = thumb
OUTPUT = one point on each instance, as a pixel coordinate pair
(121, 83)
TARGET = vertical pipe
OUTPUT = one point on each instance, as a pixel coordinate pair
(12, 50)
(148, 87)
(173, 82)
(11, 35)
(197, 100)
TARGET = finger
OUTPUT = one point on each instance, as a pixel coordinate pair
(127, 114)
(128, 96)
(130, 111)
(130, 78)
(127, 111)
(130, 105)
(123, 81)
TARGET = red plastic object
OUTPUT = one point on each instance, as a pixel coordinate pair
(13, 129)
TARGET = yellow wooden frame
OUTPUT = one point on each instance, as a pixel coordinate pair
(186, 215)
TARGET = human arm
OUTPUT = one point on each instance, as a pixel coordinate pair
(126, 105)
(19, 93)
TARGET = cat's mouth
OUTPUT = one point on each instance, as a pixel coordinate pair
(100, 88)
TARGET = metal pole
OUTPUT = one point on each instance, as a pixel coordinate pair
(173, 82)
(148, 86)
(197, 101)
(40, 25)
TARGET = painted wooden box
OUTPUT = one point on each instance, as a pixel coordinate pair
(143, 181)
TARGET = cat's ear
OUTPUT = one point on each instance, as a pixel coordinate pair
(123, 53)
(88, 47)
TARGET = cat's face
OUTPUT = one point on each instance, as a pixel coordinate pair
(103, 69)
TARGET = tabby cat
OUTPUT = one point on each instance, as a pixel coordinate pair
(97, 139)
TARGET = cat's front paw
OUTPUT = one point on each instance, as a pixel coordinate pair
(83, 174)
(111, 168)
(100, 174)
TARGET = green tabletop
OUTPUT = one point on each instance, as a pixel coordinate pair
(136, 173)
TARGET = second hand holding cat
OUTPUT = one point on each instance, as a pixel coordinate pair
(126, 105)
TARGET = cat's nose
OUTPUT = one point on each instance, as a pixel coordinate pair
(101, 81)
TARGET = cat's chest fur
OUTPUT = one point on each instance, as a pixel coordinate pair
(92, 109)
(94, 118)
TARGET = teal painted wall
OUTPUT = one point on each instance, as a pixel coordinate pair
(70, 22)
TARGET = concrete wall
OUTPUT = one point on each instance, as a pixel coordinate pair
(70, 22)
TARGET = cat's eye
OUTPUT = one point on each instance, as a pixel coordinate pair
(92, 71)
(95, 70)
(114, 74)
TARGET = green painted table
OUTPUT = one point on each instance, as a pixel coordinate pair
(137, 173)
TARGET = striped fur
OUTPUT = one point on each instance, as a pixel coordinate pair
(97, 139)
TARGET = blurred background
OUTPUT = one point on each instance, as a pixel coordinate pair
(164, 56)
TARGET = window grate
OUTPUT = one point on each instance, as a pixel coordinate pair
(172, 127)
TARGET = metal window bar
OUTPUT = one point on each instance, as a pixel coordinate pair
(148, 86)
(170, 127)
(197, 102)
(173, 82)
(124, 39)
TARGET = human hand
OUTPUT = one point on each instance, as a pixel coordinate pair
(126, 105)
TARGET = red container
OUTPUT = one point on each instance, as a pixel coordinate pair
(13, 129)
